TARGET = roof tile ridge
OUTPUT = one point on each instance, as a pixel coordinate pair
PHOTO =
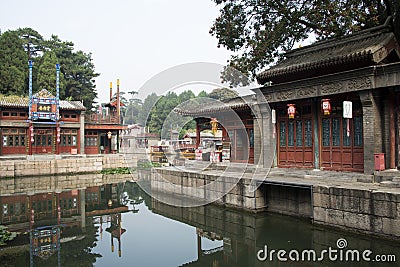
(341, 40)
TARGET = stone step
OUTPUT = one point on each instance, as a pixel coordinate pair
(390, 184)
(365, 179)
(396, 179)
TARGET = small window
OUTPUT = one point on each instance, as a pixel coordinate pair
(6, 114)
(291, 133)
(22, 114)
(307, 133)
(326, 132)
(10, 141)
(299, 133)
(73, 116)
(14, 114)
(282, 134)
(307, 110)
(66, 116)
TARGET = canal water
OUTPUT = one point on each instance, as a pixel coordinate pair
(112, 222)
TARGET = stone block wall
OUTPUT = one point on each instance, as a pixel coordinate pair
(289, 200)
(190, 184)
(20, 168)
(373, 212)
(28, 184)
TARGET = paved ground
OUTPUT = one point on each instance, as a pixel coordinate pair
(386, 181)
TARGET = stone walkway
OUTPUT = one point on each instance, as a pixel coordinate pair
(385, 181)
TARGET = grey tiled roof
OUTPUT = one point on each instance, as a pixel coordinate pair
(212, 107)
(23, 102)
(71, 105)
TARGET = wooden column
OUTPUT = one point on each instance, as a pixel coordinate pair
(197, 133)
(392, 133)
(315, 122)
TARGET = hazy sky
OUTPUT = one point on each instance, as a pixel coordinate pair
(130, 40)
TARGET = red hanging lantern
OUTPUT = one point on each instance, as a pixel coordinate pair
(326, 107)
(214, 125)
(291, 110)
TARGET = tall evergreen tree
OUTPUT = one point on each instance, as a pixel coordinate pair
(46, 76)
(77, 69)
(13, 64)
(32, 41)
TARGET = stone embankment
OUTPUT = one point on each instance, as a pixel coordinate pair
(20, 168)
(58, 183)
(363, 210)
(333, 199)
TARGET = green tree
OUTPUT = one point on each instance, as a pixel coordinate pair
(202, 94)
(160, 111)
(32, 41)
(144, 113)
(186, 95)
(223, 94)
(33, 44)
(46, 77)
(77, 69)
(132, 111)
(259, 31)
(13, 64)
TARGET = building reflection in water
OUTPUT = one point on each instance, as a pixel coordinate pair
(50, 220)
(216, 236)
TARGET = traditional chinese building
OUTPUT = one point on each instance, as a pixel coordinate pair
(74, 133)
(336, 102)
(43, 124)
(103, 128)
(235, 118)
(43, 136)
(332, 105)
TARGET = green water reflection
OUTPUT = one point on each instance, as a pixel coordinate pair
(116, 224)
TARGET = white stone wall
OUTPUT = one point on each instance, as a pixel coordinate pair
(18, 168)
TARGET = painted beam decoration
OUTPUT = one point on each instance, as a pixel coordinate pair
(43, 105)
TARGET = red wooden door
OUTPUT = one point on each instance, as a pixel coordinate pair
(43, 143)
(295, 142)
(341, 143)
